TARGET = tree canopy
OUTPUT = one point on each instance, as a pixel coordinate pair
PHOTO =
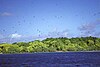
(53, 45)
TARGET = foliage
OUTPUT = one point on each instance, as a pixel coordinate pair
(53, 45)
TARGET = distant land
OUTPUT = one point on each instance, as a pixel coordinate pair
(52, 45)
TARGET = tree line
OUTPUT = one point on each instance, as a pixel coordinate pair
(52, 45)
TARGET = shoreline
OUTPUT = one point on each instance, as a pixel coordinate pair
(52, 52)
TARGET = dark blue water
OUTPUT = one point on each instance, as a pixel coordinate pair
(56, 59)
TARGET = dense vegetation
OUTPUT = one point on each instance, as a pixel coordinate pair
(53, 45)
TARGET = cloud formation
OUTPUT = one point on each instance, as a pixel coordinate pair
(6, 14)
(89, 28)
(15, 35)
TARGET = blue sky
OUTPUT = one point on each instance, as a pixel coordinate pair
(27, 20)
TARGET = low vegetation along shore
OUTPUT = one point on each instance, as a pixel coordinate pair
(52, 45)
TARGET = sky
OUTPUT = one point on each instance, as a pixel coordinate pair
(28, 20)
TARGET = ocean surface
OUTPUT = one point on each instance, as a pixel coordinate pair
(52, 59)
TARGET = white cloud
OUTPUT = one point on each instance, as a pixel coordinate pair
(15, 35)
(6, 14)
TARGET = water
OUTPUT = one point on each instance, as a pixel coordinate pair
(55, 59)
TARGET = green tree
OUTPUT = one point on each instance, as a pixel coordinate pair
(13, 49)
